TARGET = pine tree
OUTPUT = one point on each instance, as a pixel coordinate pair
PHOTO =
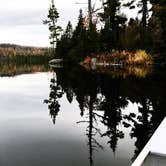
(54, 29)
(80, 28)
(113, 21)
(144, 11)
(65, 43)
(79, 40)
(69, 31)
(157, 24)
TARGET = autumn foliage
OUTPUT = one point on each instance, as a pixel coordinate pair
(139, 57)
(7, 50)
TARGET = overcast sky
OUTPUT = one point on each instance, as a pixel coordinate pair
(21, 20)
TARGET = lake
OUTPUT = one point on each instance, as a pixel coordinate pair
(74, 116)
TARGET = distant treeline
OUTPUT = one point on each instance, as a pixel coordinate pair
(23, 54)
(13, 50)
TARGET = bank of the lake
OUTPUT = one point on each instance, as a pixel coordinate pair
(117, 57)
(12, 53)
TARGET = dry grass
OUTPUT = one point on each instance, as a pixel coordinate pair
(140, 57)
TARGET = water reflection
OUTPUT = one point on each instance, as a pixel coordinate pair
(55, 94)
(104, 96)
(122, 71)
(12, 69)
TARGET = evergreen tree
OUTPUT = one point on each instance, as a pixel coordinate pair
(93, 45)
(80, 28)
(79, 40)
(158, 26)
(130, 37)
(69, 31)
(138, 33)
(145, 12)
(54, 29)
(65, 43)
(113, 21)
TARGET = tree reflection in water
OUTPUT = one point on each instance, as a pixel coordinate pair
(92, 130)
(55, 94)
(105, 96)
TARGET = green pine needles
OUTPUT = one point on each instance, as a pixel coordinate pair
(54, 29)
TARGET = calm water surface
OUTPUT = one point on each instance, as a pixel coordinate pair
(74, 117)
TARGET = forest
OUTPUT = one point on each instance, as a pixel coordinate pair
(107, 30)
(13, 50)
(12, 53)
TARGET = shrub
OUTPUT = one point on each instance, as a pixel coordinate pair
(141, 57)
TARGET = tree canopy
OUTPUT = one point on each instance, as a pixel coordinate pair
(118, 32)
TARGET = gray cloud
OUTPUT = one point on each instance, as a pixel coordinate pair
(21, 20)
(21, 17)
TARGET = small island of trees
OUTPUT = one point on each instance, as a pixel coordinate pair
(106, 33)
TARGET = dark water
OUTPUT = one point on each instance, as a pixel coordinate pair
(71, 116)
